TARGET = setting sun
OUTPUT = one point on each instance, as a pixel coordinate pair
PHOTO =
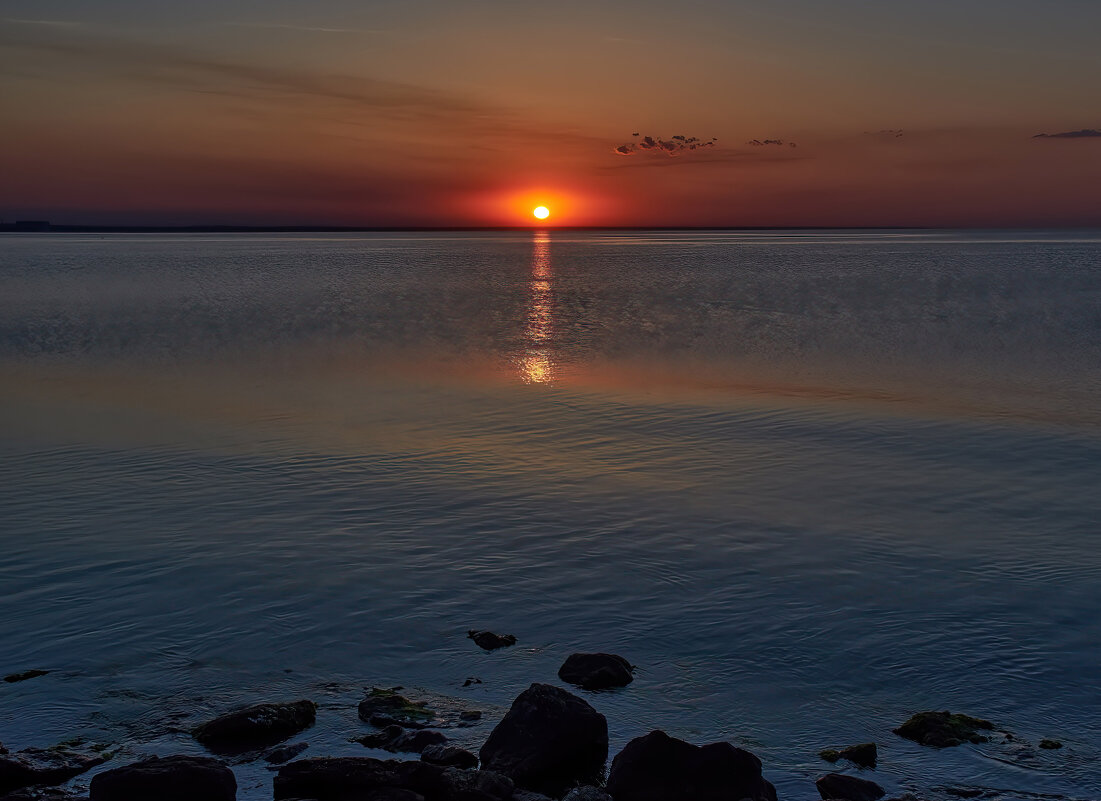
(542, 212)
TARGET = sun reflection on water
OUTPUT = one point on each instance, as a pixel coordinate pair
(536, 365)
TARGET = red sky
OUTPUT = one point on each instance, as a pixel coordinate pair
(430, 113)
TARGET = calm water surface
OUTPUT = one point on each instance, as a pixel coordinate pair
(809, 482)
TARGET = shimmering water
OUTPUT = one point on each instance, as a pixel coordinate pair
(810, 483)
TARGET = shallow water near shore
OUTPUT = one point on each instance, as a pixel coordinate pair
(809, 482)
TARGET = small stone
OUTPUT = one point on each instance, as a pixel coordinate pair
(864, 754)
(386, 708)
(1050, 744)
(830, 755)
(490, 641)
(285, 753)
(380, 739)
(414, 742)
(596, 671)
(472, 680)
(11, 678)
(470, 714)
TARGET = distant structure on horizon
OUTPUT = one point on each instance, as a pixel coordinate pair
(26, 226)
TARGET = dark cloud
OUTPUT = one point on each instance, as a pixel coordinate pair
(1085, 133)
(673, 146)
(770, 143)
(886, 133)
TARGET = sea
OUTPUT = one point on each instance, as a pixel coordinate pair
(808, 482)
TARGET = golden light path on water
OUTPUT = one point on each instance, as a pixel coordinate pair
(536, 364)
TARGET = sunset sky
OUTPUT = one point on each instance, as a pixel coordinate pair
(434, 112)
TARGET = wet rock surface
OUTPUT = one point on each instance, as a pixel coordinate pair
(490, 641)
(342, 778)
(596, 671)
(658, 767)
(256, 726)
(850, 788)
(174, 778)
(587, 794)
(548, 741)
(944, 729)
(42, 766)
(43, 794)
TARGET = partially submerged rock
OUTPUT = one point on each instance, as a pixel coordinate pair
(340, 778)
(387, 708)
(256, 726)
(449, 756)
(1050, 744)
(490, 641)
(548, 741)
(43, 766)
(174, 778)
(596, 671)
(11, 678)
(396, 739)
(864, 754)
(850, 788)
(285, 753)
(944, 729)
(658, 767)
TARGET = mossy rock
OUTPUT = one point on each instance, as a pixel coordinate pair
(944, 729)
(384, 707)
(830, 755)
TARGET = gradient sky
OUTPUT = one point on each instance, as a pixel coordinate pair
(443, 112)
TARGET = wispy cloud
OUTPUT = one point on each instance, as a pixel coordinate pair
(673, 146)
(303, 28)
(1085, 133)
(54, 23)
(770, 143)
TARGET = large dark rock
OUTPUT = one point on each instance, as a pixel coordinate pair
(346, 778)
(387, 708)
(596, 671)
(35, 766)
(174, 778)
(490, 641)
(943, 729)
(850, 788)
(256, 726)
(548, 741)
(658, 767)
(449, 756)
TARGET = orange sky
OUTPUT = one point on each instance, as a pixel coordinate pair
(422, 113)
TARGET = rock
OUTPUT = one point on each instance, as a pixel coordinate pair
(850, 788)
(174, 778)
(470, 715)
(864, 755)
(658, 767)
(943, 729)
(43, 794)
(11, 678)
(255, 726)
(414, 742)
(381, 738)
(490, 641)
(285, 753)
(548, 741)
(1050, 744)
(471, 681)
(449, 755)
(340, 778)
(528, 795)
(587, 794)
(35, 766)
(3, 750)
(596, 671)
(386, 708)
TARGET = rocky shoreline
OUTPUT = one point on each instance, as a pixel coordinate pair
(551, 744)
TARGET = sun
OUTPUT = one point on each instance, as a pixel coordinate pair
(542, 212)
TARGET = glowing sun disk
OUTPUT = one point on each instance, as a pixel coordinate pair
(542, 212)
